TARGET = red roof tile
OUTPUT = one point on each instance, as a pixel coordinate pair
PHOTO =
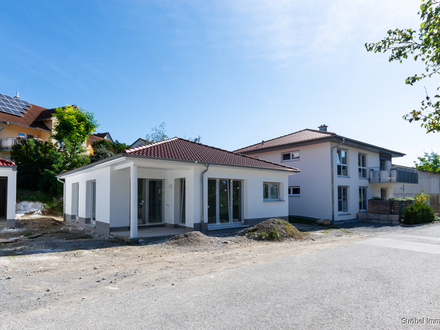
(4, 162)
(297, 137)
(181, 149)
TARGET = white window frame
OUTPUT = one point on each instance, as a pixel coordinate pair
(342, 166)
(267, 197)
(362, 169)
(21, 135)
(290, 191)
(363, 206)
(342, 205)
(292, 155)
(75, 202)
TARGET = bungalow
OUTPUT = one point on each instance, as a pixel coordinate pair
(338, 174)
(175, 183)
(8, 181)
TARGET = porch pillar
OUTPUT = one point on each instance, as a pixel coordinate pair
(133, 201)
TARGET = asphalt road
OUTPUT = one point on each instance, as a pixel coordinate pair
(388, 282)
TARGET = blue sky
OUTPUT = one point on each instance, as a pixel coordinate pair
(234, 72)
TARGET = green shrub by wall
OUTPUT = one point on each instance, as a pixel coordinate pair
(417, 213)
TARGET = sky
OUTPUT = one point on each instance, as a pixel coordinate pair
(234, 72)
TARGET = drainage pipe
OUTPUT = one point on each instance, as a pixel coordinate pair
(202, 206)
(333, 178)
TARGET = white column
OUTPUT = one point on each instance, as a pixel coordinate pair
(133, 201)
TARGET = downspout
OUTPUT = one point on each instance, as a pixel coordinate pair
(202, 206)
(64, 195)
(333, 178)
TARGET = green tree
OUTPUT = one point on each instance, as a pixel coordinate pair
(157, 134)
(422, 44)
(118, 147)
(429, 162)
(73, 125)
(37, 164)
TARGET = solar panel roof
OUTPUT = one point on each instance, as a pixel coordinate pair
(13, 105)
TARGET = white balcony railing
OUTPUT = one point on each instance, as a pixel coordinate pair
(394, 174)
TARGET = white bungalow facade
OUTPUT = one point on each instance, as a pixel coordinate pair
(338, 174)
(8, 191)
(175, 183)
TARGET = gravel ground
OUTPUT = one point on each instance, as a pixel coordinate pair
(68, 265)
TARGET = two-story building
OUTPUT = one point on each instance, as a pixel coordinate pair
(338, 175)
(21, 119)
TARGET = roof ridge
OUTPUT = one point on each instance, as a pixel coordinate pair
(282, 136)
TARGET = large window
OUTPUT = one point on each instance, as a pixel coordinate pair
(342, 162)
(224, 201)
(293, 155)
(271, 191)
(342, 199)
(362, 166)
(362, 199)
(294, 191)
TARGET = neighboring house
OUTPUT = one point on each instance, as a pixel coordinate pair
(21, 119)
(8, 184)
(429, 182)
(175, 183)
(139, 142)
(338, 174)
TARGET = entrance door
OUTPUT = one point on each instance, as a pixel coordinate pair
(3, 197)
(150, 201)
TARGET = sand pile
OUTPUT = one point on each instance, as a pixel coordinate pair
(273, 230)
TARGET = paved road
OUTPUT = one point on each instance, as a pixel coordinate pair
(377, 283)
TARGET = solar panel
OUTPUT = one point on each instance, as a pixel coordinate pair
(13, 105)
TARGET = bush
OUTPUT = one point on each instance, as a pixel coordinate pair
(417, 213)
(402, 199)
(377, 198)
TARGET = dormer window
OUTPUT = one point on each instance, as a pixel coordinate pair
(293, 155)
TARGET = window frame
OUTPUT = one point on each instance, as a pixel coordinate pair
(291, 156)
(342, 166)
(363, 200)
(290, 191)
(269, 197)
(341, 201)
(362, 168)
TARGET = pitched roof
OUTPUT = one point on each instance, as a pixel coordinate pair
(297, 137)
(311, 136)
(28, 119)
(181, 149)
(4, 162)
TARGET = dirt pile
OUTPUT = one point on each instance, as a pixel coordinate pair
(273, 230)
(191, 239)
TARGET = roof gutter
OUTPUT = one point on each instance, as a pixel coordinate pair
(202, 205)
(333, 177)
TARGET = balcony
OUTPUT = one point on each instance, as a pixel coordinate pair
(6, 144)
(393, 174)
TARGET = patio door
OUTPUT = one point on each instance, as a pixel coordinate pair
(150, 201)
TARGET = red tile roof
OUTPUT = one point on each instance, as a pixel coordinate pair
(4, 162)
(297, 137)
(181, 149)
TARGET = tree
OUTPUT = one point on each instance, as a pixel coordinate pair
(421, 44)
(429, 162)
(73, 125)
(157, 134)
(104, 149)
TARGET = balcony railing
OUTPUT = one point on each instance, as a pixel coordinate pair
(7, 143)
(393, 174)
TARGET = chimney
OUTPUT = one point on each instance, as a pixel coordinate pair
(17, 96)
(323, 128)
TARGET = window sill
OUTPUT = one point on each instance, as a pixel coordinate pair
(343, 176)
(363, 178)
(294, 195)
(344, 213)
(290, 160)
(272, 200)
